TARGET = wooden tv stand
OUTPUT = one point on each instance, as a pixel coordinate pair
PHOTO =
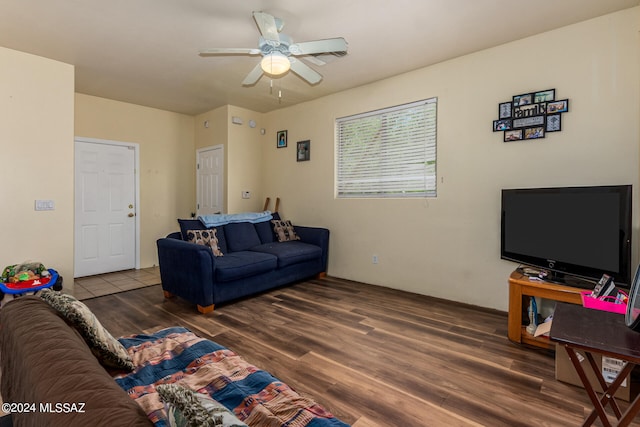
(519, 286)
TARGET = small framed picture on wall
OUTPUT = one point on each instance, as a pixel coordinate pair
(513, 135)
(504, 110)
(554, 122)
(303, 152)
(561, 106)
(281, 139)
(544, 95)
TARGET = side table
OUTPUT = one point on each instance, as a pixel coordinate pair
(598, 332)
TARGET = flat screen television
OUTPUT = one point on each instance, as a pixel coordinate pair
(574, 233)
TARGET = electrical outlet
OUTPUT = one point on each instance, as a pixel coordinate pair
(374, 260)
(246, 194)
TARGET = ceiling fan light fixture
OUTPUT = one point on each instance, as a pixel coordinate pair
(275, 64)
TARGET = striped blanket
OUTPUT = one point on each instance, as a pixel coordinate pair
(176, 355)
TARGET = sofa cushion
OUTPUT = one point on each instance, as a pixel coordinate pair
(241, 236)
(195, 224)
(265, 232)
(289, 253)
(284, 231)
(238, 265)
(189, 224)
(103, 345)
(265, 229)
(185, 407)
(206, 238)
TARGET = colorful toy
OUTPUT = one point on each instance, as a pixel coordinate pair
(27, 277)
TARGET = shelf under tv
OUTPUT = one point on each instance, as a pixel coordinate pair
(519, 286)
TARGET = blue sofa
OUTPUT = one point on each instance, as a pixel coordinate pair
(253, 261)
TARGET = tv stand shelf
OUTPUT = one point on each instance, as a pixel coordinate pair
(519, 286)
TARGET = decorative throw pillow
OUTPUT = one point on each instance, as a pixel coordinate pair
(103, 345)
(187, 408)
(207, 238)
(284, 230)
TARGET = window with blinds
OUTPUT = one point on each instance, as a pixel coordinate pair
(388, 153)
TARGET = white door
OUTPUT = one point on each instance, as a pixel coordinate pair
(210, 180)
(105, 223)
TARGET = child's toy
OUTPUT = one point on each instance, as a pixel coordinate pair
(28, 277)
(22, 272)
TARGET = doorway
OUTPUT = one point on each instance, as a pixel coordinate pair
(106, 225)
(210, 180)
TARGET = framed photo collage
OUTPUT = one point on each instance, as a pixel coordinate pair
(530, 115)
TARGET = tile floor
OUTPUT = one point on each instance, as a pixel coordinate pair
(111, 283)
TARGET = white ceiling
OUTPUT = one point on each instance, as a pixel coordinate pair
(146, 51)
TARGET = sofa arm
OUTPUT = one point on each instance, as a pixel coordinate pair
(187, 270)
(45, 361)
(316, 236)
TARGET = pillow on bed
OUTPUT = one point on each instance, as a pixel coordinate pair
(284, 230)
(103, 345)
(188, 408)
(207, 238)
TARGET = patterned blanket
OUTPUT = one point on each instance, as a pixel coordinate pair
(176, 355)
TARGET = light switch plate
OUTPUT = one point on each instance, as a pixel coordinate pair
(45, 205)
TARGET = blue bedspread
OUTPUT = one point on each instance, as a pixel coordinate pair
(176, 355)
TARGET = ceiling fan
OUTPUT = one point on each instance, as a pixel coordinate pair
(279, 52)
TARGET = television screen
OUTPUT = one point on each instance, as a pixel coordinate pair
(578, 231)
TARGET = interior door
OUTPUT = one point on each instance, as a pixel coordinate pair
(210, 180)
(105, 223)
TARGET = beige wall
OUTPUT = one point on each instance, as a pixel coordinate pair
(167, 159)
(36, 140)
(243, 153)
(449, 246)
(245, 162)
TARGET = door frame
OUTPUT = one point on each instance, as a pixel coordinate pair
(198, 152)
(136, 177)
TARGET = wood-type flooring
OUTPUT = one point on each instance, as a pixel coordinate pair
(374, 356)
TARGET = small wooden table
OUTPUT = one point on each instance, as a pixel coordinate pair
(577, 328)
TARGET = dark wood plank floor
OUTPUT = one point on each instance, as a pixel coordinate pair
(374, 356)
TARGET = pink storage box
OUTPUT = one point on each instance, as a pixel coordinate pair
(597, 304)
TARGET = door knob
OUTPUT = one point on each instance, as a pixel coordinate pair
(131, 214)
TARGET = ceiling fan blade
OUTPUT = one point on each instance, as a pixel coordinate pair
(229, 51)
(314, 60)
(268, 28)
(253, 77)
(304, 71)
(319, 46)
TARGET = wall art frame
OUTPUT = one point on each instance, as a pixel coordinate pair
(502, 124)
(513, 135)
(281, 139)
(561, 106)
(530, 115)
(504, 110)
(534, 132)
(554, 123)
(303, 151)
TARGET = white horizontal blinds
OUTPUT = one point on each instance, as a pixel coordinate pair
(389, 152)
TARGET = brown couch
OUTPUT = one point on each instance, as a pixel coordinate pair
(45, 361)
